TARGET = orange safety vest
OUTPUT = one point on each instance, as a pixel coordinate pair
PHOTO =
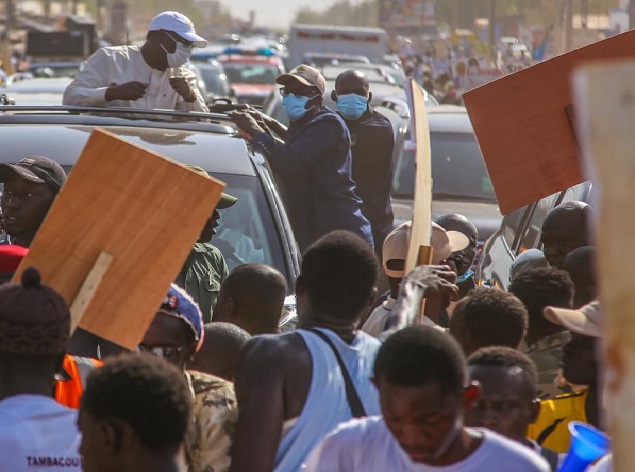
(76, 369)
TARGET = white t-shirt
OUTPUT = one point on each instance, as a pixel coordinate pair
(117, 65)
(38, 434)
(368, 445)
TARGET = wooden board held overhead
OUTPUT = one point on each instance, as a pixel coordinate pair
(524, 127)
(136, 212)
(606, 123)
(422, 208)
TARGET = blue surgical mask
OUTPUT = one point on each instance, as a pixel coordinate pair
(351, 106)
(462, 278)
(294, 106)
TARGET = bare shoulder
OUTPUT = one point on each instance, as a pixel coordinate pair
(275, 353)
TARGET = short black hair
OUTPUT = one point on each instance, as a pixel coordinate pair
(507, 357)
(340, 272)
(490, 317)
(539, 288)
(144, 391)
(258, 290)
(420, 355)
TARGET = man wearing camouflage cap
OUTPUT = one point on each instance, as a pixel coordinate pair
(31, 353)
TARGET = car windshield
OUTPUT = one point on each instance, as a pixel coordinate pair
(251, 73)
(458, 170)
(215, 80)
(246, 231)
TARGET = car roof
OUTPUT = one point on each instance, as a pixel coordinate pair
(221, 150)
(449, 119)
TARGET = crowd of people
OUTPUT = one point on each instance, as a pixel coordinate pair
(436, 374)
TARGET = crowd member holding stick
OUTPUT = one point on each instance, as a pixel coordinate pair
(151, 76)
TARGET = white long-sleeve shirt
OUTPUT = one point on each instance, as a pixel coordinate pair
(120, 64)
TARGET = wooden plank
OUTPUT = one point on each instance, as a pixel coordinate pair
(523, 126)
(422, 208)
(605, 107)
(89, 288)
(145, 210)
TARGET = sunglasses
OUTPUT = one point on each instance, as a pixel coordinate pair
(160, 351)
(187, 44)
(307, 92)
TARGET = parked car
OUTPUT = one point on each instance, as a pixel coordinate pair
(37, 91)
(49, 69)
(212, 80)
(460, 183)
(254, 230)
(521, 230)
(251, 73)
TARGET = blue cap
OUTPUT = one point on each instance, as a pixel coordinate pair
(179, 304)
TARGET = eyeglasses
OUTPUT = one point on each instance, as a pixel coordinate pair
(160, 351)
(309, 92)
(187, 44)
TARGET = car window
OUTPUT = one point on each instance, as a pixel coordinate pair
(531, 237)
(458, 169)
(578, 192)
(510, 225)
(251, 73)
(246, 231)
(215, 81)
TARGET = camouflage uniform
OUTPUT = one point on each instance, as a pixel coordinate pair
(209, 437)
(546, 354)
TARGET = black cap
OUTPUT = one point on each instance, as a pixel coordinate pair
(38, 169)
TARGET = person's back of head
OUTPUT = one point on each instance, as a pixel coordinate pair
(489, 317)
(220, 351)
(580, 264)
(420, 355)
(34, 335)
(537, 289)
(338, 277)
(134, 414)
(509, 381)
(252, 297)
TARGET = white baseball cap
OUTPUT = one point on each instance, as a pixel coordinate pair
(586, 320)
(443, 243)
(179, 24)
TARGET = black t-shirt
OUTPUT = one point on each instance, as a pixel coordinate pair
(372, 143)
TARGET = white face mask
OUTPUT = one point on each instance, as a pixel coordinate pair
(180, 55)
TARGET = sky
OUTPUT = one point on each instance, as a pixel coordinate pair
(275, 13)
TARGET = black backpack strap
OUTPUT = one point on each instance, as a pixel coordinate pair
(357, 407)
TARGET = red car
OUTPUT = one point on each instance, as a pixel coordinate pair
(251, 73)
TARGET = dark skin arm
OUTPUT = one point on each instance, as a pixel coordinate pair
(422, 282)
(271, 383)
(128, 91)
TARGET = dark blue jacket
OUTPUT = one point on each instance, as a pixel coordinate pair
(314, 164)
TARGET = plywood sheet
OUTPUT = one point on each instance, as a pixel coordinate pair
(145, 210)
(422, 208)
(524, 128)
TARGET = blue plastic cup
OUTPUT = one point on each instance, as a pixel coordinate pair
(588, 444)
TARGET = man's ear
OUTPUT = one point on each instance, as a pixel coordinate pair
(472, 392)
(333, 96)
(370, 97)
(112, 435)
(535, 411)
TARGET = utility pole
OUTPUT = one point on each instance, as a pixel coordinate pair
(568, 25)
(492, 29)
